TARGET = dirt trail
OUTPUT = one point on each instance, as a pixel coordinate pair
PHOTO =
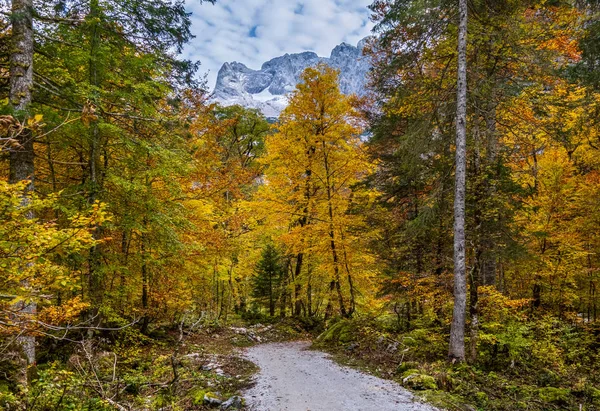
(295, 379)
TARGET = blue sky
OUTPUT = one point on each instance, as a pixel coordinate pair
(254, 31)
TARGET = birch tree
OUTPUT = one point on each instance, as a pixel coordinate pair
(456, 351)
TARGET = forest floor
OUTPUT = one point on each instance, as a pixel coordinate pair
(292, 377)
(277, 365)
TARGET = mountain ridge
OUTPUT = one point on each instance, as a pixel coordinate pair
(266, 89)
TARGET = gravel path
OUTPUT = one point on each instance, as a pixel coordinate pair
(296, 379)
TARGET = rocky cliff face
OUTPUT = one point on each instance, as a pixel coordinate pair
(266, 89)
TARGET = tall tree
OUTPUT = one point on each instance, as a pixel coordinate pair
(269, 274)
(22, 153)
(456, 350)
(314, 162)
(20, 89)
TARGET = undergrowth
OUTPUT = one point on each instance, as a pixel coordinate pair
(127, 370)
(546, 364)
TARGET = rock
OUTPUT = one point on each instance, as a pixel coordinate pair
(413, 379)
(190, 360)
(210, 398)
(352, 346)
(233, 403)
(209, 367)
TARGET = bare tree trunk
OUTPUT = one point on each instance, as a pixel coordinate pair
(489, 264)
(309, 304)
(352, 302)
(332, 239)
(22, 156)
(145, 281)
(456, 351)
(284, 288)
(95, 280)
(297, 285)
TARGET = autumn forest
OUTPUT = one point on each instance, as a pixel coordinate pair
(442, 231)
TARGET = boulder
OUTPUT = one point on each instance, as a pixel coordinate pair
(212, 399)
(233, 403)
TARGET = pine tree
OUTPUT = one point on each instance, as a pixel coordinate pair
(267, 281)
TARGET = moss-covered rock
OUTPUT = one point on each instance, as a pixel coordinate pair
(197, 396)
(413, 379)
(406, 366)
(212, 399)
(341, 332)
(554, 395)
(409, 372)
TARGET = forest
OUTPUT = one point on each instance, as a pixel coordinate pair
(442, 231)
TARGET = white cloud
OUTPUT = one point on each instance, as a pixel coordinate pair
(255, 31)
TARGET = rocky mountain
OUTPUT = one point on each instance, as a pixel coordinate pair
(266, 89)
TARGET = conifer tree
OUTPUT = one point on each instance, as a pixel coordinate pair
(267, 281)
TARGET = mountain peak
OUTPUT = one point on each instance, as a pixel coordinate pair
(267, 88)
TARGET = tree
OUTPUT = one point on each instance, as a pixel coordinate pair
(457, 331)
(20, 89)
(35, 251)
(269, 274)
(315, 161)
(415, 75)
(22, 152)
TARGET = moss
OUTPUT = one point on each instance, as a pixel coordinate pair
(554, 395)
(405, 366)
(443, 399)
(409, 372)
(481, 398)
(547, 378)
(418, 381)
(208, 396)
(198, 396)
(340, 332)
(593, 394)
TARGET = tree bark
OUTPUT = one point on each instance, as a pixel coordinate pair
(95, 281)
(332, 239)
(456, 350)
(297, 285)
(22, 156)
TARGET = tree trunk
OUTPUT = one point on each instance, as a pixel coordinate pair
(332, 239)
(22, 156)
(271, 296)
(456, 351)
(309, 304)
(488, 258)
(284, 289)
(352, 301)
(95, 281)
(474, 307)
(297, 285)
(146, 318)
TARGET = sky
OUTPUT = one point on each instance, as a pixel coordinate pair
(255, 31)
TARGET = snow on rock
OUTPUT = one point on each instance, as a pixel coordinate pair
(266, 89)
